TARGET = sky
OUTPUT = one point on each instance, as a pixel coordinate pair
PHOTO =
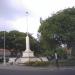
(13, 13)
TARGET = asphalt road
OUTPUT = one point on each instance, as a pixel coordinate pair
(37, 72)
(23, 70)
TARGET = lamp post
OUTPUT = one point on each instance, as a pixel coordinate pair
(27, 37)
(4, 50)
(27, 21)
(27, 53)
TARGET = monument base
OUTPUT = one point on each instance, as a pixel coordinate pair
(28, 53)
(25, 60)
(28, 56)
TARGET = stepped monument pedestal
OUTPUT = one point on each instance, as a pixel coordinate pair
(27, 55)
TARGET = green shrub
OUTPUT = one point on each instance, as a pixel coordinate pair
(37, 63)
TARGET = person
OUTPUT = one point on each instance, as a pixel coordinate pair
(56, 59)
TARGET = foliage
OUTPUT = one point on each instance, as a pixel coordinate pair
(37, 63)
(57, 29)
(51, 63)
(51, 53)
(61, 53)
(15, 41)
(48, 52)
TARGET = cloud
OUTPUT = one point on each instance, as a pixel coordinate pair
(13, 12)
(6, 25)
(10, 9)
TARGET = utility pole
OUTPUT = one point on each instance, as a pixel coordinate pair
(4, 50)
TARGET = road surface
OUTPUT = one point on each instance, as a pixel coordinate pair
(24, 70)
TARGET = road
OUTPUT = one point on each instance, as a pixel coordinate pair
(36, 72)
(18, 70)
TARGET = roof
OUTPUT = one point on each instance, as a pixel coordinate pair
(7, 52)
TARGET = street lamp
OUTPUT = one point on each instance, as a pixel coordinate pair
(27, 21)
(27, 37)
(4, 50)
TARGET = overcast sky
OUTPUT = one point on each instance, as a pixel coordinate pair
(13, 13)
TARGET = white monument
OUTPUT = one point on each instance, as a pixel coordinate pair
(28, 55)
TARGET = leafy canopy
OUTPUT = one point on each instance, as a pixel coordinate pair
(60, 28)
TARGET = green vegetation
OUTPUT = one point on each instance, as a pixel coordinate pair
(57, 29)
(15, 42)
(37, 63)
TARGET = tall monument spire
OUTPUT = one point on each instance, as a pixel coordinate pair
(27, 53)
(27, 37)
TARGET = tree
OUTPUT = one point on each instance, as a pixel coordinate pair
(15, 41)
(57, 29)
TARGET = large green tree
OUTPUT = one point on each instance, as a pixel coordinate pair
(57, 29)
(15, 41)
